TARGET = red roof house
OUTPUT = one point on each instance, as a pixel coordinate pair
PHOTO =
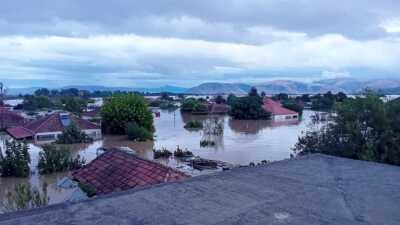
(117, 170)
(49, 127)
(10, 119)
(278, 112)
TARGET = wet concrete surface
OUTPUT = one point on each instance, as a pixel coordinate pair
(316, 189)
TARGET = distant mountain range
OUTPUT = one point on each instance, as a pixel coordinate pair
(347, 85)
(167, 88)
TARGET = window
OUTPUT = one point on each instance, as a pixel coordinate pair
(45, 137)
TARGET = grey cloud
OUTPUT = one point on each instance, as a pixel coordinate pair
(223, 20)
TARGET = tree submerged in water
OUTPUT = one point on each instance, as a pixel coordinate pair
(15, 161)
(53, 159)
(123, 113)
(25, 197)
(248, 107)
(72, 135)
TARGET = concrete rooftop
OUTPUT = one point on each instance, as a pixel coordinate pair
(313, 190)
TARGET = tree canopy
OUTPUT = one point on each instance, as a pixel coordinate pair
(121, 109)
(248, 107)
(362, 128)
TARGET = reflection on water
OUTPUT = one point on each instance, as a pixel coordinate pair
(241, 142)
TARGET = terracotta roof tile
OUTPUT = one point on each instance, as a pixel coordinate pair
(20, 132)
(10, 119)
(117, 170)
(276, 108)
(52, 123)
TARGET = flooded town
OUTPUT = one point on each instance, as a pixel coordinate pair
(234, 112)
(266, 140)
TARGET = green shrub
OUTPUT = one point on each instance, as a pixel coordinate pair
(16, 160)
(194, 106)
(206, 143)
(168, 105)
(193, 125)
(136, 133)
(88, 189)
(72, 135)
(26, 197)
(53, 159)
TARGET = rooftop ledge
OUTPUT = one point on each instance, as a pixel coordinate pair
(315, 189)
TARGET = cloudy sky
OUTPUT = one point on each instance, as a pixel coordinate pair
(186, 42)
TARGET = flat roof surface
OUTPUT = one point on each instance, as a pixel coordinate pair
(315, 189)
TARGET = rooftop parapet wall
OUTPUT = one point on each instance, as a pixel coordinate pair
(315, 189)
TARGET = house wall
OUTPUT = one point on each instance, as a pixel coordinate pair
(50, 137)
(47, 137)
(93, 133)
(285, 117)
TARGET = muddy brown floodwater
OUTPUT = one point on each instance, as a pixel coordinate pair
(241, 142)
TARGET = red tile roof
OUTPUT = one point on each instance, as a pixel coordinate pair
(276, 108)
(95, 112)
(20, 132)
(117, 170)
(52, 123)
(10, 119)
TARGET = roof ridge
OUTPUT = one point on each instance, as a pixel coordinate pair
(144, 159)
(44, 121)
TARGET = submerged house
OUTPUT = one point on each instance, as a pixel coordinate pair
(119, 170)
(48, 128)
(92, 115)
(278, 112)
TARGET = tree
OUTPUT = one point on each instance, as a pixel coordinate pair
(53, 159)
(293, 105)
(249, 107)
(16, 160)
(231, 99)
(363, 128)
(42, 92)
(121, 109)
(281, 97)
(33, 102)
(26, 197)
(219, 99)
(74, 104)
(194, 106)
(72, 135)
(165, 96)
(71, 92)
(137, 133)
(253, 92)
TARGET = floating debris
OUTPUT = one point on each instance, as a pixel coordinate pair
(180, 153)
(163, 153)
